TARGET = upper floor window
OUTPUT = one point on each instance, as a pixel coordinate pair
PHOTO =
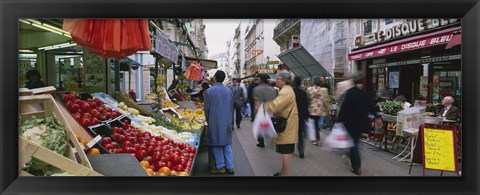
(367, 27)
(388, 21)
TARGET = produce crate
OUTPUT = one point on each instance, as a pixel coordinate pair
(52, 109)
(389, 118)
(131, 103)
(78, 129)
(30, 150)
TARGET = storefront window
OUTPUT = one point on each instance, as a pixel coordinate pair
(446, 83)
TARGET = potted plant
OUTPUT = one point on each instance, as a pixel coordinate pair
(390, 110)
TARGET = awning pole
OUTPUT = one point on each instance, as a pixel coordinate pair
(129, 77)
(156, 70)
(117, 75)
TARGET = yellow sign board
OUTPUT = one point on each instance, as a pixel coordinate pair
(439, 151)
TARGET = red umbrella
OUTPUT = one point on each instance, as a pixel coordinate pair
(110, 38)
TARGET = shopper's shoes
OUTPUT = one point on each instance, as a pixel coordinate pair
(217, 171)
(314, 142)
(276, 174)
(231, 171)
(357, 172)
(302, 155)
(261, 145)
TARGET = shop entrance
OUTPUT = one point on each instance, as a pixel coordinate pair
(409, 81)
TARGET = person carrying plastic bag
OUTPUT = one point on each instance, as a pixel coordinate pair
(262, 125)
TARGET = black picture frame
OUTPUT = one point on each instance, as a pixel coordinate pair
(11, 11)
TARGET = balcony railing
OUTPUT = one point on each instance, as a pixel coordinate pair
(285, 24)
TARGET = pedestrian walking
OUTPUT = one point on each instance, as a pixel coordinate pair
(319, 106)
(251, 100)
(218, 112)
(238, 100)
(302, 106)
(261, 94)
(34, 80)
(354, 111)
(325, 84)
(284, 105)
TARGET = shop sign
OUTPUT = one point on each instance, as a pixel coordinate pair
(165, 48)
(419, 61)
(404, 46)
(413, 26)
(265, 71)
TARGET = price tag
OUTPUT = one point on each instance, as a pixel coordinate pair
(94, 141)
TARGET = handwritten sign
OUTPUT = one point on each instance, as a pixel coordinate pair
(439, 149)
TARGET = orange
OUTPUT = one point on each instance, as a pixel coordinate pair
(183, 174)
(165, 170)
(94, 151)
(83, 142)
(145, 164)
(160, 174)
(150, 172)
(174, 173)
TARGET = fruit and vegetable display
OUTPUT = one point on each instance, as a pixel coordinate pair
(160, 121)
(88, 112)
(168, 104)
(50, 134)
(189, 124)
(191, 114)
(156, 151)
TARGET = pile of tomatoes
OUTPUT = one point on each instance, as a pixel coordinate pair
(90, 111)
(157, 151)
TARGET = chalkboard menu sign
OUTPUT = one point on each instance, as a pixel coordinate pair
(439, 147)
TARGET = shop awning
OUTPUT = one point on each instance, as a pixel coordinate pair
(302, 63)
(408, 44)
(456, 40)
(206, 64)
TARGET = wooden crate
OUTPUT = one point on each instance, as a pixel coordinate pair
(30, 150)
(121, 97)
(52, 109)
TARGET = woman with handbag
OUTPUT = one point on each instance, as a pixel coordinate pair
(284, 109)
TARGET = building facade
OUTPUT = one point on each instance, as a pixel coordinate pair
(417, 58)
(287, 34)
(260, 48)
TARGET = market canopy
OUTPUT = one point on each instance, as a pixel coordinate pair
(110, 38)
(302, 63)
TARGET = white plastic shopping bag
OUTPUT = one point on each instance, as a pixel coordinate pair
(262, 125)
(310, 128)
(339, 138)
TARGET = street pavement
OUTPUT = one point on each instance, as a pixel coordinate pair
(251, 160)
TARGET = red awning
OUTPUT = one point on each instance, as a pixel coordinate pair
(110, 38)
(408, 44)
(456, 40)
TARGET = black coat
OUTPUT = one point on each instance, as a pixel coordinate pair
(250, 93)
(354, 111)
(302, 105)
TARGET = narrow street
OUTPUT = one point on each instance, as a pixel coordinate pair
(253, 161)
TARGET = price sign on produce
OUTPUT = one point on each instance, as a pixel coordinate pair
(440, 148)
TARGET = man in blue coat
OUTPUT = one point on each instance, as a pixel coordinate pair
(219, 114)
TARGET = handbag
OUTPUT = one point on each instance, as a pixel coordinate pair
(280, 123)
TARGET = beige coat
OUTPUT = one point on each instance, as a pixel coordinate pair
(281, 106)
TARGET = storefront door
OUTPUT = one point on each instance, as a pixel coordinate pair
(409, 81)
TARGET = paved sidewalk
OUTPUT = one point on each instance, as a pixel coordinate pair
(317, 162)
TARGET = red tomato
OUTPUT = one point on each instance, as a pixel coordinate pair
(183, 162)
(77, 116)
(140, 154)
(154, 168)
(103, 118)
(65, 97)
(74, 107)
(131, 150)
(121, 138)
(118, 151)
(71, 96)
(149, 159)
(92, 104)
(178, 168)
(100, 110)
(108, 146)
(94, 121)
(170, 165)
(156, 156)
(85, 122)
(143, 147)
(108, 115)
(191, 155)
(85, 107)
(107, 140)
(87, 115)
(175, 159)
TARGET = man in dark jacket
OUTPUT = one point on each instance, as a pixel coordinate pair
(251, 100)
(302, 106)
(354, 112)
(238, 100)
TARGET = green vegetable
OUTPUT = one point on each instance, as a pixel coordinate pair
(390, 107)
(160, 121)
(47, 133)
